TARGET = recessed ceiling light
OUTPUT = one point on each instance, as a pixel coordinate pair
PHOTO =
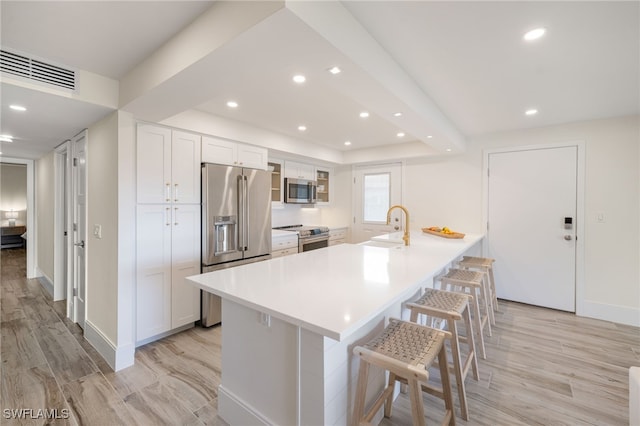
(397, 114)
(364, 114)
(347, 143)
(400, 134)
(299, 78)
(531, 111)
(448, 150)
(302, 128)
(17, 107)
(429, 137)
(232, 104)
(334, 70)
(534, 34)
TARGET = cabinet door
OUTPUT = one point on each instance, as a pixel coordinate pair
(185, 168)
(185, 261)
(276, 182)
(323, 180)
(219, 151)
(153, 164)
(252, 156)
(153, 270)
(297, 170)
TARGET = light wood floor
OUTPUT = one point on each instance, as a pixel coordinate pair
(543, 367)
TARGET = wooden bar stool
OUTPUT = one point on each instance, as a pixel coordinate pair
(451, 307)
(484, 264)
(470, 282)
(406, 350)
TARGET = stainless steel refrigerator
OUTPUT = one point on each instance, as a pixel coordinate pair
(236, 224)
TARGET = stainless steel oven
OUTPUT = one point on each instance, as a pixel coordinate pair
(312, 242)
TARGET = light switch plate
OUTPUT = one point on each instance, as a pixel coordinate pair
(97, 231)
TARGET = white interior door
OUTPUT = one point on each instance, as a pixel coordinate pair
(376, 188)
(532, 195)
(79, 192)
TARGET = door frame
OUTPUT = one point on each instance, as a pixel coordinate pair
(62, 252)
(32, 232)
(580, 214)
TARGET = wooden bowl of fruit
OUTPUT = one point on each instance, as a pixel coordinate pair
(443, 232)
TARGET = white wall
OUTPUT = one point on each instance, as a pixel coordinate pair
(44, 194)
(102, 209)
(448, 191)
(110, 259)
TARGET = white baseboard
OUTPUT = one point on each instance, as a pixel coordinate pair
(117, 357)
(615, 313)
(44, 280)
(235, 411)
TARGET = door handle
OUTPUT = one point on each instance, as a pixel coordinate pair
(80, 244)
(568, 237)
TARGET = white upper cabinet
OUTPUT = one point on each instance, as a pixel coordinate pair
(293, 169)
(168, 166)
(221, 151)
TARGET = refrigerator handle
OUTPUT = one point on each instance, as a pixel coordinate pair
(245, 212)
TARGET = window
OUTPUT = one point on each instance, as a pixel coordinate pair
(377, 190)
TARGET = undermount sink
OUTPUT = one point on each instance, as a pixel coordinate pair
(387, 245)
(392, 238)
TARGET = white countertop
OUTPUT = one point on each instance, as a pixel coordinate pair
(335, 290)
(277, 233)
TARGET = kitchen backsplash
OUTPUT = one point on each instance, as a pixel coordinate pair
(292, 215)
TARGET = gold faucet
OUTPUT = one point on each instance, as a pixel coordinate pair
(405, 237)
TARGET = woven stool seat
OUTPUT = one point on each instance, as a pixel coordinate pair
(464, 275)
(451, 307)
(477, 261)
(484, 264)
(406, 350)
(473, 283)
(446, 301)
(414, 346)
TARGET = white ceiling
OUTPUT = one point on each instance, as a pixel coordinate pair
(467, 58)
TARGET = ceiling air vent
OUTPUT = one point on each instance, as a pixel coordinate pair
(34, 69)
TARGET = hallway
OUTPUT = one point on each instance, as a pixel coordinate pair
(48, 365)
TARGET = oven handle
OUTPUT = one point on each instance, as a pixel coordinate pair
(314, 238)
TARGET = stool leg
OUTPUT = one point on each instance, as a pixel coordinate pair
(492, 281)
(489, 298)
(457, 368)
(388, 403)
(446, 385)
(476, 319)
(417, 408)
(361, 391)
(466, 315)
(487, 309)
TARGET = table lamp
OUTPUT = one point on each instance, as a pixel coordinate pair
(11, 215)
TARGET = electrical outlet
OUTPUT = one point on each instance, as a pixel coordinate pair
(97, 231)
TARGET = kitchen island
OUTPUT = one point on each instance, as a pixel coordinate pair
(290, 324)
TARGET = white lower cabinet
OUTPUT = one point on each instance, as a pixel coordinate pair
(168, 250)
(284, 245)
(337, 236)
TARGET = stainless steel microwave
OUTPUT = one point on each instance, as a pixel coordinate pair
(299, 191)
